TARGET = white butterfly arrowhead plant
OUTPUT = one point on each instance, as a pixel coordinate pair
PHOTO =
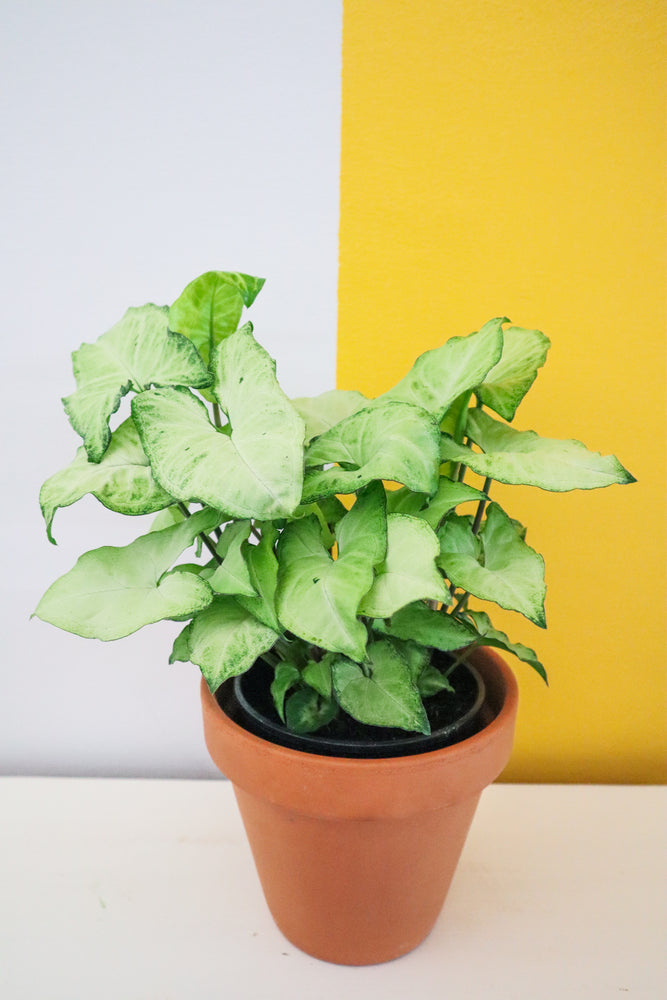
(346, 600)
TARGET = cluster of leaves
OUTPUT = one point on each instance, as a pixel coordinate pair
(346, 600)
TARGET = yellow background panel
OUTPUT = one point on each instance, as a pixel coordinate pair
(509, 159)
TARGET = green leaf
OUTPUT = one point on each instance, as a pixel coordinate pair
(428, 627)
(522, 457)
(318, 597)
(431, 681)
(232, 576)
(394, 441)
(181, 648)
(489, 636)
(139, 351)
(285, 677)
(321, 413)
(209, 308)
(524, 351)
(122, 481)
(111, 592)
(263, 568)
(507, 571)
(449, 495)
(408, 572)
(317, 675)
(362, 533)
(385, 697)
(440, 375)
(405, 501)
(306, 711)
(257, 472)
(225, 640)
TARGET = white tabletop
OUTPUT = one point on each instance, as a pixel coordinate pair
(145, 890)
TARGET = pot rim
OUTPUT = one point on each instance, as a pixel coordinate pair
(310, 783)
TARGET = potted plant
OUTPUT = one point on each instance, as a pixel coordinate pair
(349, 691)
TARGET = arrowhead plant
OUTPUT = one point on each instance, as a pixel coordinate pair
(333, 536)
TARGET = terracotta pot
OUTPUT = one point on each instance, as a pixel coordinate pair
(355, 857)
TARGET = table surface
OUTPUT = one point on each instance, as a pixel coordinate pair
(146, 890)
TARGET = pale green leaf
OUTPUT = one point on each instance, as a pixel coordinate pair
(449, 495)
(409, 572)
(524, 351)
(209, 308)
(509, 573)
(232, 576)
(440, 375)
(263, 568)
(318, 597)
(139, 351)
(362, 532)
(111, 592)
(428, 627)
(394, 441)
(122, 481)
(257, 472)
(321, 413)
(522, 457)
(225, 640)
(489, 636)
(386, 695)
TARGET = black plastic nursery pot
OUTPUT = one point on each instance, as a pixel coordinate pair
(454, 716)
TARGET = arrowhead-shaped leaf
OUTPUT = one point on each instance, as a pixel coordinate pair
(408, 572)
(111, 592)
(394, 441)
(440, 375)
(321, 413)
(492, 637)
(318, 597)
(386, 696)
(210, 308)
(225, 640)
(122, 481)
(522, 457)
(254, 473)
(428, 627)
(137, 352)
(506, 571)
(524, 351)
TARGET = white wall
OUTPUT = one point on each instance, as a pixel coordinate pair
(144, 143)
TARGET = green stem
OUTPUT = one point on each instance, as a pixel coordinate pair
(217, 419)
(477, 523)
(481, 506)
(204, 537)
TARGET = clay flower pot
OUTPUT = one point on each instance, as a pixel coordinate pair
(355, 857)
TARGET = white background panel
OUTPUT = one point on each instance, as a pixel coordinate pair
(144, 143)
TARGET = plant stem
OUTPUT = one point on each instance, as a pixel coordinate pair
(481, 506)
(217, 419)
(477, 523)
(204, 537)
